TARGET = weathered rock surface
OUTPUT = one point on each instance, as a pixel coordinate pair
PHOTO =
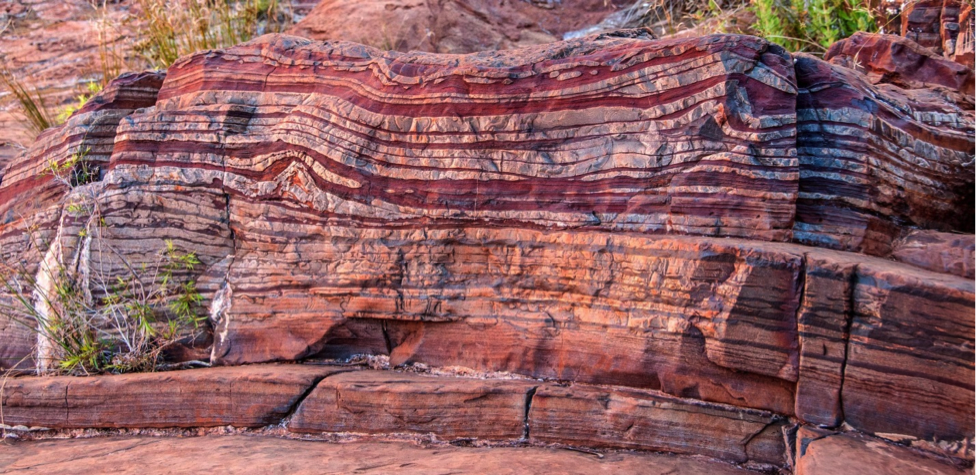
(826, 452)
(921, 22)
(823, 324)
(910, 355)
(611, 328)
(250, 396)
(639, 419)
(239, 454)
(885, 350)
(52, 46)
(450, 26)
(387, 402)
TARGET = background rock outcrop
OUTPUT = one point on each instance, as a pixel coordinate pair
(943, 26)
(451, 26)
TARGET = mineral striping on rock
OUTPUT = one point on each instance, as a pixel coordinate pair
(610, 210)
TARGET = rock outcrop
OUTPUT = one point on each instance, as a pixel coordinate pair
(944, 27)
(827, 452)
(690, 222)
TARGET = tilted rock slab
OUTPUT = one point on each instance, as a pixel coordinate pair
(639, 419)
(249, 396)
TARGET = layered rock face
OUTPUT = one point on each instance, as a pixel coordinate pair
(686, 221)
(415, 223)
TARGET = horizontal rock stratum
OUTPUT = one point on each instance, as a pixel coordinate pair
(700, 224)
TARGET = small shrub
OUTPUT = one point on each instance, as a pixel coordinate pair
(810, 25)
(80, 101)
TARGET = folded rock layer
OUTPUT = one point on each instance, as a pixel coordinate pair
(608, 211)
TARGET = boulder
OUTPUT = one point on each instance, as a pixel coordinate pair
(893, 59)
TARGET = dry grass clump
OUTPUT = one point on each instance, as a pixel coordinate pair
(171, 29)
(33, 108)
